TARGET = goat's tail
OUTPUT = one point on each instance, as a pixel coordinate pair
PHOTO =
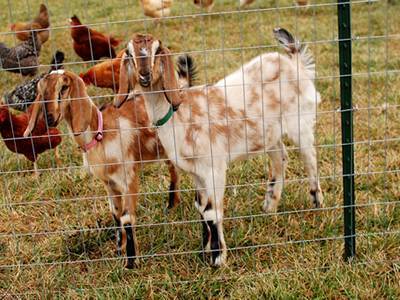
(295, 49)
(187, 70)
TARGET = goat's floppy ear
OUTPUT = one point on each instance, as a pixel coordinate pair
(168, 77)
(36, 106)
(80, 108)
(127, 80)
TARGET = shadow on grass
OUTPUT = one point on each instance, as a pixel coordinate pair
(89, 244)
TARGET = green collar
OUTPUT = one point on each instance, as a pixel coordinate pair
(166, 118)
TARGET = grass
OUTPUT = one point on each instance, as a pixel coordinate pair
(55, 240)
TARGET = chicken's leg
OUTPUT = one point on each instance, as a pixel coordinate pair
(57, 157)
(36, 172)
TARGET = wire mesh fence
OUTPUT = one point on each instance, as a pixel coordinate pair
(246, 107)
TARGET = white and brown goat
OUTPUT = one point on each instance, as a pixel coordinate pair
(247, 112)
(116, 142)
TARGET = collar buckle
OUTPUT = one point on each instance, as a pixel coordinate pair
(99, 136)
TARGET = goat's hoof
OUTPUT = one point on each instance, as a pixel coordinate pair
(130, 263)
(317, 198)
(219, 261)
(269, 207)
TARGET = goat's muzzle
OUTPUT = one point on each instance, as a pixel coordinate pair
(145, 79)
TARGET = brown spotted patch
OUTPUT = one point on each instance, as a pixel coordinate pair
(218, 131)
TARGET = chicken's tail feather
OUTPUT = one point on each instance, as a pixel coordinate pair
(114, 41)
(57, 61)
(85, 78)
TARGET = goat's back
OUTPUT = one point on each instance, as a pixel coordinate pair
(250, 109)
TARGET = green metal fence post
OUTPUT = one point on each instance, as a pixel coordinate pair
(344, 22)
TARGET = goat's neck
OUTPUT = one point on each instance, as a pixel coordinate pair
(90, 132)
(157, 105)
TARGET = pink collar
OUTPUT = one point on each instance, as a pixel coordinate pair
(99, 134)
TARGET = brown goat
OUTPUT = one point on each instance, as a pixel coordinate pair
(115, 143)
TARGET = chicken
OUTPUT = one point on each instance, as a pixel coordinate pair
(23, 58)
(41, 23)
(207, 4)
(302, 2)
(156, 8)
(104, 74)
(12, 128)
(245, 2)
(90, 44)
(25, 93)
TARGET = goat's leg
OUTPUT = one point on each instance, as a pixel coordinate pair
(310, 161)
(115, 203)
(199, 196)
(279, 159)
(305, 142)
(211, 207)
(174, 194)
(128, 222)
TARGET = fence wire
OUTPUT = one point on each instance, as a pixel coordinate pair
(57, 235)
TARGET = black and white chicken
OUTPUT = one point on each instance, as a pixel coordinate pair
(25, 93)
(23, 58)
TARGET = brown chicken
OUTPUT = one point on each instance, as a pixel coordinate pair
(104, 74)
(12, 128)
(90, 44)
(41, 23)
(209, 4)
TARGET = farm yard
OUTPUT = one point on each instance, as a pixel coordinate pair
(57, 236)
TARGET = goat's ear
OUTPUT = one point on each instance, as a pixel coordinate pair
(126, 79)
(36, 106)
(80, 107)
(168, 77)
(65, 85)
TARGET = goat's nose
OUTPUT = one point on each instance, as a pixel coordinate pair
(144, 79)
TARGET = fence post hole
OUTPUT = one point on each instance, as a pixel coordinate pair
(344, 22)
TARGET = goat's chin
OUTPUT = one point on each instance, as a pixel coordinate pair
(144, 85)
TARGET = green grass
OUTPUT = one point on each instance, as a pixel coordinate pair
(296, 254)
